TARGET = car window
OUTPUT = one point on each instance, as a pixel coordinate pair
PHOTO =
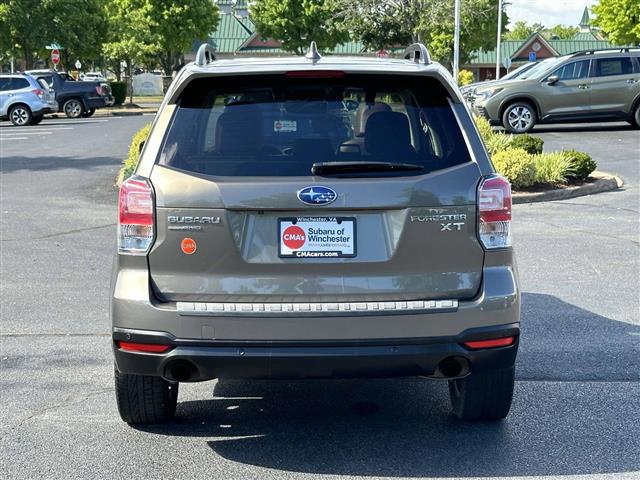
(541, 67)
(573, 70)
(280, 125)
(4, 83)
(18, 83)
(613, 66)
(43, 83)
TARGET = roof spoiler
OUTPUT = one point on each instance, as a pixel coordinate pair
(417, 53)
(205, 55)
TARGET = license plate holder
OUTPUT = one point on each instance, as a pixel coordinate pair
(317, 237)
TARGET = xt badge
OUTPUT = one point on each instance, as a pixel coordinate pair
(448, 227)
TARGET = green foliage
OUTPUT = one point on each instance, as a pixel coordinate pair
(619, 20)
(296, 22)
(177, 24)
(552, 168)
(498, 141)
(522, 30)
(119, 91)
(561, 32)
(581, 164)
(516, 165)
(130, 163)
(465, 77)
(388, 23)
(484, 127)
(531, 144)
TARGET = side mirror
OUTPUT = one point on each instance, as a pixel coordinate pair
(552, 79)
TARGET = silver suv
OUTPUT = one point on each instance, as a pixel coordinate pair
(310, 218)
(25, 100)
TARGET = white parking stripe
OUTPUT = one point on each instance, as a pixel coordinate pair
(9, 135)
(32, 129)
(13, 138)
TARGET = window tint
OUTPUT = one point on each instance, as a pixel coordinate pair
(4, 83)
(573, 70)
(18, 83)
(277, 125)
(613, 66)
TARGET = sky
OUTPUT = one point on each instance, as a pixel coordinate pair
(547, 12)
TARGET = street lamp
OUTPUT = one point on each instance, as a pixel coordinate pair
(498, 39)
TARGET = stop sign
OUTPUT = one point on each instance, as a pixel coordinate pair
(55, 56)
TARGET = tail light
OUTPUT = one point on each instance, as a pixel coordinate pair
(492, 343)
(136, 221)
(102, 90)
(143, 347)
(39, 93)
(494, 212)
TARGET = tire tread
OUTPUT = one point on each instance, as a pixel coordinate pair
(145, 399)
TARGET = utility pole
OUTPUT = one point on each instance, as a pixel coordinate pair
(498, 40)
(456, 42)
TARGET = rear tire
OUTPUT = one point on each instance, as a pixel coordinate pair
(20, 115)
(88, 113)
(144, 399)
(484, 395)
(73, 108)
(519, 117)
(635, 119)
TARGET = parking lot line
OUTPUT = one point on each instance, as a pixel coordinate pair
(32, 130)
(2, 137)
(9, 135)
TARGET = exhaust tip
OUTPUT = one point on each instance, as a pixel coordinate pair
(453, 367)
(180, 371)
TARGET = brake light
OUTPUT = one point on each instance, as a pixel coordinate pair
(39, 93)
(135, 222)
(494, 212)
(493, 343)
(100, 90)
(316, 74)
(143, 347)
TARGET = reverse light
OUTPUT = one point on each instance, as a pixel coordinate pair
(135, 221)
(143, 347)
(492, 343)
(494, 212)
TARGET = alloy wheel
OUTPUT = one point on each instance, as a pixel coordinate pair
(19, 116)
(519, 118)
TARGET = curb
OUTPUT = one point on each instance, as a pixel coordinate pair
(604, 182)
(124, 113)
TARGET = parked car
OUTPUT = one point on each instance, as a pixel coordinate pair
(23, 100)
(593, 85)
(260, 238)
(76, 98)
(516, 73)
(92, 77)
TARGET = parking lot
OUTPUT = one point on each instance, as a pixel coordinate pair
(576, 409)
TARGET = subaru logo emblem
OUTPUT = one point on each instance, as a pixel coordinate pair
(317, 195)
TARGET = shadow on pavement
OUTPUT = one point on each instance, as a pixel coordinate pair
(575, 412)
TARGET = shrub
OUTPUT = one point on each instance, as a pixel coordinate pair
(498, 141)
(552, 167)
(465, 77)
(581, 164)
(531, 144)
(130, 163)
(516, 165)
(484, 127)
(119, 91)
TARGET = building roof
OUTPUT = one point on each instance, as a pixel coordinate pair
(584, 21)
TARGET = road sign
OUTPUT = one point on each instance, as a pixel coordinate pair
(506, 63)
(532, 56)
(55, 56)
(78, 65)
(382, 53)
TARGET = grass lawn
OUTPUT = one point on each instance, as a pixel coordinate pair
(147, 99)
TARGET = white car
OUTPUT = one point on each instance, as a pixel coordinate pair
(92, 77)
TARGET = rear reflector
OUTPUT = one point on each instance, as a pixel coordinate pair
(493, 343)
(135, 221)
(316, 74)
(143, 347)
(494, 212)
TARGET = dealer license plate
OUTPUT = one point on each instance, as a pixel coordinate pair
(317, 237)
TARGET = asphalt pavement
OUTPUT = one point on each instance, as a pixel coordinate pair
(576, 412)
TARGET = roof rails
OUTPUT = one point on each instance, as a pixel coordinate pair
(417, 53)
(596, 50)
(205, 55)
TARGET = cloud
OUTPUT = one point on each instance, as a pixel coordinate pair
(547, 12)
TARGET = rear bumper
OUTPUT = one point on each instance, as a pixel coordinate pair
(99, 102)
(197, 361)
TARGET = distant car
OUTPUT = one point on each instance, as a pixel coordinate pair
(587, 86)
(92, 77)
(512, 74)
(76, 98)
(24, 100)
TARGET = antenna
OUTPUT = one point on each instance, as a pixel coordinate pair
(313, 53)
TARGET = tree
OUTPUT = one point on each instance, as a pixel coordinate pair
(392, 23)
(21, 24)
(619, 20)
(562, 32)
(296, 23)
(177, 24)
(522, 30)
(130, 37)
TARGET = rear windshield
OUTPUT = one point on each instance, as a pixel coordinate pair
(282, 125)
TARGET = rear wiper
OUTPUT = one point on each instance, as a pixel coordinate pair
(323, 168)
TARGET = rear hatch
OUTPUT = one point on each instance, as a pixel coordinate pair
(331, 187)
